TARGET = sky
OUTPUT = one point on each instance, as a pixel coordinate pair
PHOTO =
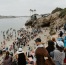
(22, 7)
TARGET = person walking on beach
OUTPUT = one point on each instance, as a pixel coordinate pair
(54, 40)
(58, 54)
(42, 56)
(64, 38)
(21, 57)
(7, 59)
(61, 33)
(50, 47)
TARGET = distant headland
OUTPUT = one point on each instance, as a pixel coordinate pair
(1, 16)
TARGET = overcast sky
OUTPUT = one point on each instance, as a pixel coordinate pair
(22, 7)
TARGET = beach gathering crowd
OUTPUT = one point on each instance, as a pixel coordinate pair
(53, 54)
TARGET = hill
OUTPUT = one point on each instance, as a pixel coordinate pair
(57, 16)
(55, 19)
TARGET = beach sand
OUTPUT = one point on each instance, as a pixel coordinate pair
(44, 37)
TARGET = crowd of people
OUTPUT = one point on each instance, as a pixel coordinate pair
(53, 54)
(24, 36)
(21, 37)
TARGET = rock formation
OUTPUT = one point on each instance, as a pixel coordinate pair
(53, 20)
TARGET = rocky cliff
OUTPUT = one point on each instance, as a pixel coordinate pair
(55, 19)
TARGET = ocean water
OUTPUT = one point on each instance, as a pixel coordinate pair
(14, 23)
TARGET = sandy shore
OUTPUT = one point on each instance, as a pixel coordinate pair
(44, 37)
